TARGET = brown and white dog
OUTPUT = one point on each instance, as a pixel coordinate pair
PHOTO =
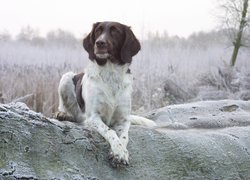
(101, 96)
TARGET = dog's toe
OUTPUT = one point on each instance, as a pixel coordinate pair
(111, 155)
(125, 163)
(116, 161)
(62, 116)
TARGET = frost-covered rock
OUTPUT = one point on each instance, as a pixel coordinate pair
(203, 140)
(204, 115)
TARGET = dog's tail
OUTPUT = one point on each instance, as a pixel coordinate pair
(138, 120)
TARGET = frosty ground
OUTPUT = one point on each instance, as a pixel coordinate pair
(168, 70)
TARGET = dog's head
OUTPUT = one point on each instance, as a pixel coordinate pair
(111, 41)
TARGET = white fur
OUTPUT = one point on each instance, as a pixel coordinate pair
(138, 120)
(107, 94)
(67, 98)
(102, 56)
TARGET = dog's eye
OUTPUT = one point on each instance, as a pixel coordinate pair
(98, 32)
(114, 31)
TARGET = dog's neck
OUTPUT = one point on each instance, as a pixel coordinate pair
(108, 73)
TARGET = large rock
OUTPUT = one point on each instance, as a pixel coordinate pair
(204, 140)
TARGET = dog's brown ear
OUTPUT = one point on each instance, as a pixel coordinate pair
(130, 47)
(89, 42)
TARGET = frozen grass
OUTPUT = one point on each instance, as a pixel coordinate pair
(164, 73)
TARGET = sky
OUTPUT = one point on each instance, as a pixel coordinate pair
(182, 17)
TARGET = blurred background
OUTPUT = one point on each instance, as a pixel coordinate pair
(191, 50)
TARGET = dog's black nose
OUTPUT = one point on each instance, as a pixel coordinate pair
(100, 43)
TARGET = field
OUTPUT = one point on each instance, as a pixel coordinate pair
(168, 70)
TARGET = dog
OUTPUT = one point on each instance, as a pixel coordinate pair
(101, 96)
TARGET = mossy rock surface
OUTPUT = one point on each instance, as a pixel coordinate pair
(35, 147)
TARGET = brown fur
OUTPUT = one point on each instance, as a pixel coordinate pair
(77, 79)
(120, 41)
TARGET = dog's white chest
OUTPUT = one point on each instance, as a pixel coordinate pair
(107, 90)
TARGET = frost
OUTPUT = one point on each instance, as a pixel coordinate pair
(168, 70)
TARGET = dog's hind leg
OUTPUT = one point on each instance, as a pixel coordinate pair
(68, 106)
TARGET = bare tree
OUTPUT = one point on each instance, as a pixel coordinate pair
(62, 37)
(5, 36)
(27, 34)
(236, 19)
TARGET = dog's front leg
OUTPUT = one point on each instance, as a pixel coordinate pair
(122, 129)
(119, 153)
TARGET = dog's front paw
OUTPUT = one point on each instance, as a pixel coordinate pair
(62, 116)
(119, 157)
